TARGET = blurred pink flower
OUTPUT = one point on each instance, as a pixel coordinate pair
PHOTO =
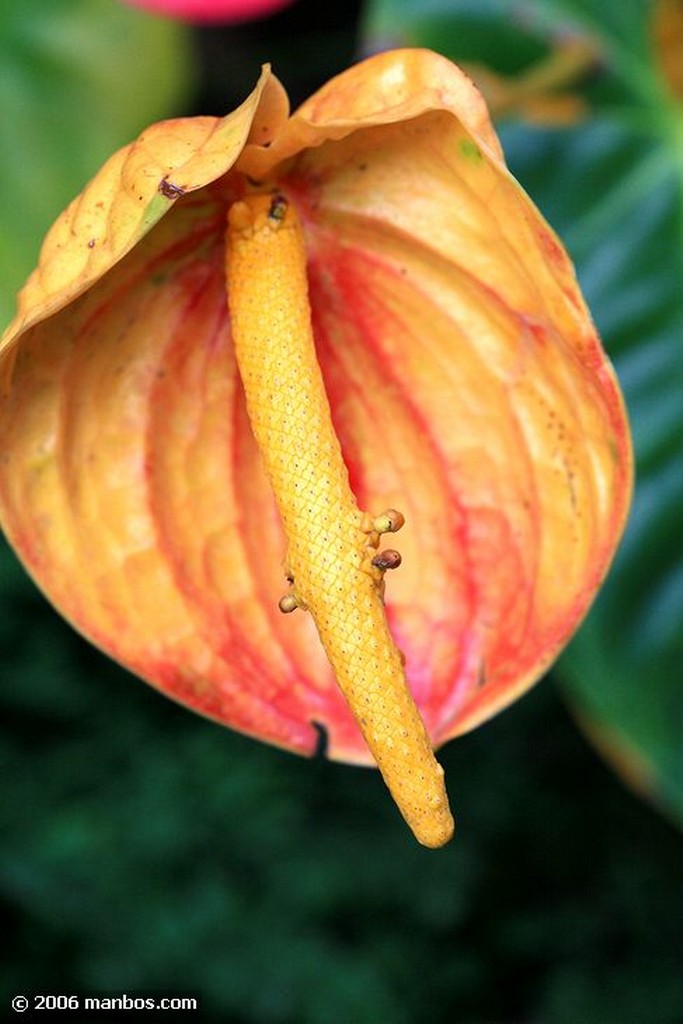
(205, 11)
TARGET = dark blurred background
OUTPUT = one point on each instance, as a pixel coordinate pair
(145, 849)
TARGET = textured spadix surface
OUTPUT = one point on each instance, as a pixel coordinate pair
(467, 385)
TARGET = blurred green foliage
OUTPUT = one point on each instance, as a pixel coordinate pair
(146, 849)
(79, 79)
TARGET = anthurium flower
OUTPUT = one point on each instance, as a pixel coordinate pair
(271, 337)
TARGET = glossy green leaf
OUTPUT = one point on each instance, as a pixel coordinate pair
(612, 186)
(79, 78)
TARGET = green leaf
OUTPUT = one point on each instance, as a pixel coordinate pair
(612, 186)
(79, 79)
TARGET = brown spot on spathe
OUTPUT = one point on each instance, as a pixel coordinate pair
(169, 190)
